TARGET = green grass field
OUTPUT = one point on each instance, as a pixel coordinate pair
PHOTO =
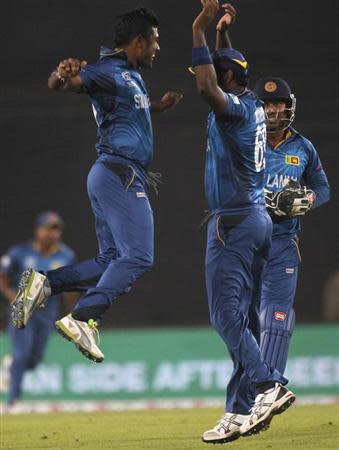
(303, 427)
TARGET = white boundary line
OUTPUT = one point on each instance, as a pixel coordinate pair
(27, 407)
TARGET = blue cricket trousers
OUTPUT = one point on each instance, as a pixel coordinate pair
(277, 315)
(124, 228)
(237, 250)
(28, 346)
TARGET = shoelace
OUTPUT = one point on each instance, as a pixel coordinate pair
(256, 409)
(226, 421)
(94, 329)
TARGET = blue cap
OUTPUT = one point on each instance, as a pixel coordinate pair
(49, 219)
(223, 57)
(273, 88)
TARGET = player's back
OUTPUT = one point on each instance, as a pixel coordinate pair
(235, 159)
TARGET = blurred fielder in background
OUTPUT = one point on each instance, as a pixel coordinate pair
(295, 183)
(45, 251)
(239, 229)
(118, 182)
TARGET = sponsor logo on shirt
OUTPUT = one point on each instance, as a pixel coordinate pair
(280, 316)
(293, 160)
(290, 270)
(278, 181)
(141, 194)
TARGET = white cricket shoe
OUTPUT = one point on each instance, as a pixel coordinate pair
(82, 334)
(33, 291)
(271, 402)
(227, 429)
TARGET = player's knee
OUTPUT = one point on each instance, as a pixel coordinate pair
(225, 319)
(144, 261)
(107, 256)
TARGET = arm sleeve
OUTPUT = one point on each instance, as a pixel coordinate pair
(9, 262)
(316, 179)
(98, 75)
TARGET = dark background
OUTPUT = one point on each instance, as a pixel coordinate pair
(48, 139)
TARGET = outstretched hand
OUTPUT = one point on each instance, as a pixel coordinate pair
(170, 100)
(228, 18)
(70, 67)
(208, 13)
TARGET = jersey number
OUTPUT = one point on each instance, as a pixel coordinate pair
(260, 148)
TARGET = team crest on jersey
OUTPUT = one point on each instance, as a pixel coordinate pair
(128, 78)
(292, 160)
(280, 316)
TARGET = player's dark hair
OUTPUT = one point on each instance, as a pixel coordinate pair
(240, 76)
(133, 23)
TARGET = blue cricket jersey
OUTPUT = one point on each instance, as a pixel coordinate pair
(235, 156)
(19, 257)
(121, 107)
(295, 158)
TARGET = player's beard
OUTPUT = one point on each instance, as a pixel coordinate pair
(146, 62)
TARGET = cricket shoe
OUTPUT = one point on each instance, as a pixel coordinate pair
(33, 291)
(83, 335)
(271, 402)
(227, 429)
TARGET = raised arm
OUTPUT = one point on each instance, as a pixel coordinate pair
(66, 76)
(205, 75)
(223, 38)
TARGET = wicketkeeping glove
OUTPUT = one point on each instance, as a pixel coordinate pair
(294, 200)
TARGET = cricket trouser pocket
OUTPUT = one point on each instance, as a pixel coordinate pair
(126, 173)
(284, 253)
(224, 224)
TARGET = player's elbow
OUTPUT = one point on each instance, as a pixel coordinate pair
(323, 195)
(326, 192)
(204, 90)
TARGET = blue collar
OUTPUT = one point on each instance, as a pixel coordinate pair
(118, 54)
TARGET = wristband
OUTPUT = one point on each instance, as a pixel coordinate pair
(201, 56)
